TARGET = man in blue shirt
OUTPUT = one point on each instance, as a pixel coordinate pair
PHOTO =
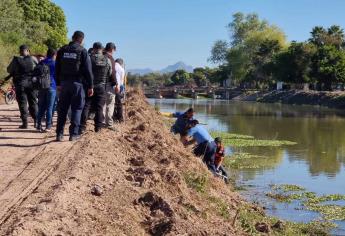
(183, 120)
(46, 97)
(205, 145)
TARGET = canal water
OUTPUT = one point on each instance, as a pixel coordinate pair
(317, 162)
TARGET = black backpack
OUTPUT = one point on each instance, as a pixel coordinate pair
(41, 76)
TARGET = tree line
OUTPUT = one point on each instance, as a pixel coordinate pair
(38, 23)
(258, 55)
(199, 77)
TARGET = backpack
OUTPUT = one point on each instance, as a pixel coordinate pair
(41, 76)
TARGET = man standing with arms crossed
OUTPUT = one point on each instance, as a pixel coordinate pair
(73, 72)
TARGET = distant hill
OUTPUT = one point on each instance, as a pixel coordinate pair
(171, 68)
(177, 66)
(141, 71)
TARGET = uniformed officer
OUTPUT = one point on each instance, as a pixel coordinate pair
(21, 69)
(73, 72)
(102, 73)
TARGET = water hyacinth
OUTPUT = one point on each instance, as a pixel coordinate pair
(239, 140)
(310, 201)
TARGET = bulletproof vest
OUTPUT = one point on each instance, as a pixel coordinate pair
(71, 61)
(25, 65)
(100, 68)
(25, 68)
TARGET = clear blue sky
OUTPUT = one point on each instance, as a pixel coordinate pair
(157, 33)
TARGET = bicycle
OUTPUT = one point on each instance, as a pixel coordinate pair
(9, 94)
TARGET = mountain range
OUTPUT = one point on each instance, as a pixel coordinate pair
(171, 68)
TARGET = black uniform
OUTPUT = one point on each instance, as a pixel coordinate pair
(102, 71)
(21, 68)
(73, 72)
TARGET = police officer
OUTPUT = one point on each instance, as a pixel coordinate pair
(21, 68)
(102, 73)
(111, 88)
(73, 72)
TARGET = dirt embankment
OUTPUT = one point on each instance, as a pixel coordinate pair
(298, 97)
(137, 181)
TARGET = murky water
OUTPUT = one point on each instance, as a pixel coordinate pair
(317, 162)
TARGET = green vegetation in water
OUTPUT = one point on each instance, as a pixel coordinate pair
(242, 160)
(312, 202)
(225, 135)
(238, 140)
(288, 187)
(248, 215)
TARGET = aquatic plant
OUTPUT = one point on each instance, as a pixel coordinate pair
(239, 140)
(225, 135)
(287, 187)
(249, 161)
(312, 202)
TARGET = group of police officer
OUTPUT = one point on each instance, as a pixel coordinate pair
(85, 81)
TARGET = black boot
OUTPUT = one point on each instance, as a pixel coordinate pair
(24, 125)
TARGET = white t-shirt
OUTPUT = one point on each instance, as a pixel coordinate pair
(120, 74)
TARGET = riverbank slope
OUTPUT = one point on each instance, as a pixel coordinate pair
(296, 97)
(137, 181)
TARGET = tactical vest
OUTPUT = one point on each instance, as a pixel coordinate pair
(25, 67)
(71, 61)
(100, 68)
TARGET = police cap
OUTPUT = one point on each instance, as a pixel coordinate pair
(23, 47)
(97, 46)
(110, 46)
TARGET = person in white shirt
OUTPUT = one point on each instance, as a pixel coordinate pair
(119, 93)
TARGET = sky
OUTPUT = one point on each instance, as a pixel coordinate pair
(157, 33)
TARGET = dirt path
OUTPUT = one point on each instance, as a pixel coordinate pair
(26, 159)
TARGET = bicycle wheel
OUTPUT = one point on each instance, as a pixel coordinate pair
(10, 97)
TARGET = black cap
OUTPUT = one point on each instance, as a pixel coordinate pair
(97, 45)
(190, 110)
(23, 47)
(110, 46)
(218, 140)
(194, 122)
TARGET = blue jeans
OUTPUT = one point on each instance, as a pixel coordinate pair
(209, 156)
(72, 96)
(46, 100)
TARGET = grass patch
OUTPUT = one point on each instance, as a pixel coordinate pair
(196, 181)
(220, 206)
(248, 217)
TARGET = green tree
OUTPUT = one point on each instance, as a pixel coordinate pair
(249, 34)
(200, 76)
(181, 77)
(294, 64)
(46, 17)
(263, 63)
(219, 52)
(328, 66)
(334, 36)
